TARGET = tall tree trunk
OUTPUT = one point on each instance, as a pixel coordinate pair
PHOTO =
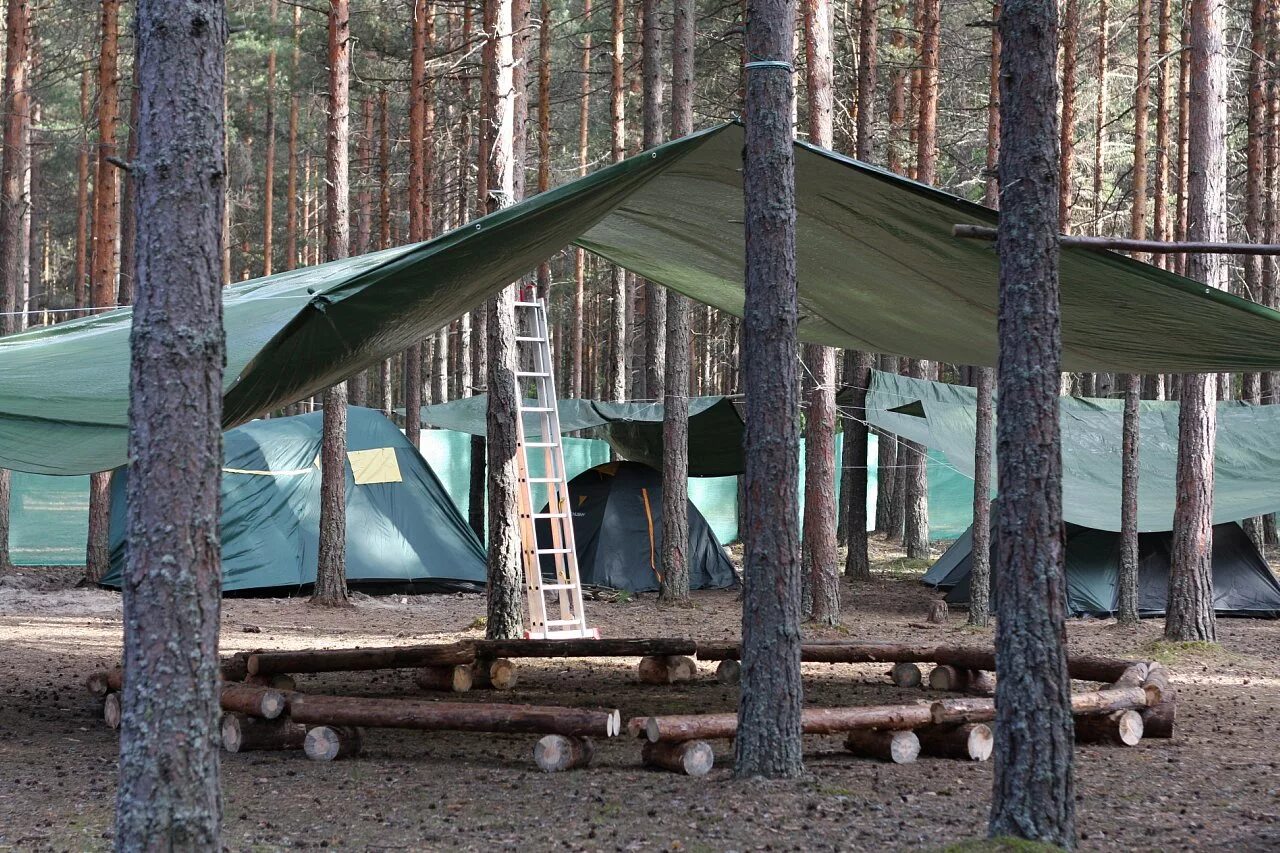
(384, 228)
(915, 484)
(269, 155)
(927, 129)
(1160, 195)
(888, 507)
(128, 217)
(544, 151)
(1067, 132)
(818, 546)
(655, 296)
(1184, 138)
(577, 351)
(617, 378)
(80, 286)
(768, 741)
(868, 61)
(498, 119)
(1033, 795)
(857, 377)
(674, 583)
(331, 563)
(1190, 609)
(1255, 173)
(1100, 113)
(102, 285)
(168, 793)
(898, 90)
(419, 219)
(291, 193)
(364, 198)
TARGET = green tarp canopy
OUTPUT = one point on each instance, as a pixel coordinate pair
(403, 531)
(1246, 461)
(633, 430)
(878, 271)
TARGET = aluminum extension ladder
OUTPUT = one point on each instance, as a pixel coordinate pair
(534, 372)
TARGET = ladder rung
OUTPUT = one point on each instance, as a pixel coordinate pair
(553, 551)
(541, 443)
(543, 480)
(530, 339)
(547, 409)
(557, 586)
(550, 515)
(528, 304)
(535, 374)
(556, 623)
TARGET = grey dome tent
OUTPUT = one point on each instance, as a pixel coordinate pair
(1243, 584)
(617, 528)
(403, 531)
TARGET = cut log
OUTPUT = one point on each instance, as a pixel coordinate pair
(329, 743)
(105, 681)
(965, 741)
(555, 753)
(500, 674)
(351, 660)
(814, 721)
(729, 672)
(882, 745)
(253, 701)
(667, 669)
(983, 710)
(691, 757)
(636, 726)
(905, 674)
(1156, 684)
(235, 667)
(111, 710)
(452, 716)
(251, 734)
(583, 648)
(947, 677)
(937, 612)
(280, 681)
(452, 679)
(1121, 728)
(1158, 721)
(1133, 676)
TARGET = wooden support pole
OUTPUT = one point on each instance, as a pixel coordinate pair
(882, 745)
(1121, 244)
(500, 674)
(584, 648)
(965, 741)
(557, 753)
(1121, 728)
(692, 757)
(814, 721)
(329, 743)
(666, 669)
(452, 716)
(451, 679)
(251, 734)
(351, 660)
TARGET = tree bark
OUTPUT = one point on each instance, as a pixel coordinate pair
(980, 573)
(1067, 130)
(1100, 112)
(888, 518)
(1190, 609)
(498, 118)
(168, 794)
(991, 192)
(14, 198)
(915, 482)
(857, 564)
(80, 286)
(1160, 205)
(768, 739)
(868, 60)
(269, 156)
(655, 296)
(331, 569)
(898, 89)
(674, 583)
(1033, 795)
(618, 359)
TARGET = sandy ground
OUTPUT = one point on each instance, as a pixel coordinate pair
(1214, 787)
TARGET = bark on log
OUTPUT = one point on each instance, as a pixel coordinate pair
(937, 612)
(729, 672)
(452, 679)
(1133, 676)
(500, 674)
(254, 701)
(1158, 721)
(1156, 684)
(556, 753)
(105, 681)
(282, 682)
(328, 743)
(814, 721)
(947, 677)
(981, 682)
(111, 710)
(906, 675)
(236, 667)
(1121, 728)
(452, 716)
(350, 660)
(666, 669)
(983, 710)
(692, 757)
(251, 734)
(882, 745)
(965, 741)
(584, 648)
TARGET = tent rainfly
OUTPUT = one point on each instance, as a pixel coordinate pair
(617, 528)
(879, 270)
(403, 531)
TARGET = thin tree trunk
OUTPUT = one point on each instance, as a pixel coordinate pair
(655, 296)
(106, 232)
(930, 12)
(269, 156)
(991, 191)
(577, 351)
(769, 742)
(364, 197)
(915, 485)
(128, 218)
(1160, 206)
(1190, 608)
(544, 151)
(980, 573)
(888, 510)
(674, 584)
(1184, 82)
(168, 792)
(291, 200)
(1067, 131)
(1255, 172)
(80, 286)
(498, 118)
(1100, 113)
(857, 378)
(1033, 795)
(898, 90)
(818, 544)
(331, 564)
(419, 220)
(1127, 581)
(868, 61)
(617, 378)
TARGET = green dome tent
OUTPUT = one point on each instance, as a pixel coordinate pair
(1243, 585)
(617, 528)
(403, 531)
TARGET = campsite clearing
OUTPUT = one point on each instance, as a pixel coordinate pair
(1212, 785)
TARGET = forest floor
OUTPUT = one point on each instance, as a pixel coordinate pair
(1215, 786)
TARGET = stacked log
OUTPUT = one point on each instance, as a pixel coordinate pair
(667, 669)
(282, 682)
(814, 721)
(241, 733)
(729, 672)
(496, 674)
(883, 745)
(583, 648)
(906, 674)
(557, 753)
(452, 716)
(111, 710)
(975, 710)
(253, 701)
(1119, 728)
(329, 743)
(352, 660)
(964, 741)
(451, 679)
(690, 757)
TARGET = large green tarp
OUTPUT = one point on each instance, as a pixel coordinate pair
(402, 528)
(878, 270)
(1246, 462)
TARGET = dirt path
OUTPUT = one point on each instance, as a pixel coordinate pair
(1214, 787)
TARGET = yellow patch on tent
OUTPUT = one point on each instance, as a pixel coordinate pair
(378, 465)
